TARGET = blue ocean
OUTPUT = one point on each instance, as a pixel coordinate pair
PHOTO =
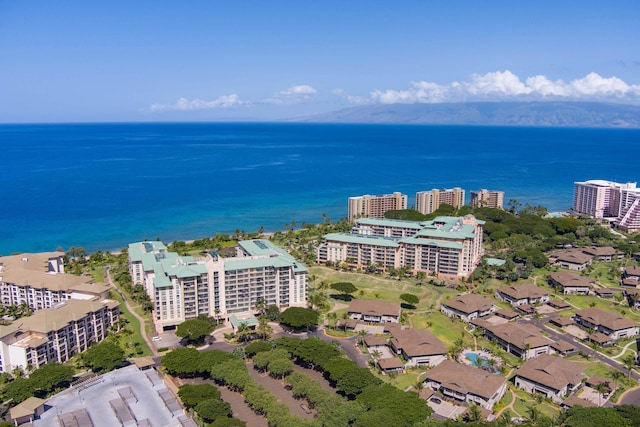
(101, 186)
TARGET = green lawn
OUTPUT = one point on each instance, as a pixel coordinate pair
(524, 401)
(446, 329)
(134, 325)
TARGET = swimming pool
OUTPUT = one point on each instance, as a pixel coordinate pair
(473, 357)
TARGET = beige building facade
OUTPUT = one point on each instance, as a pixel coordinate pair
(368, 206)
(429, 201)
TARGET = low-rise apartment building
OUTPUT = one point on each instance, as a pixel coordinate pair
(39, 280)
(55, 334)
(525, 294)
(184, 288)
(466, 383)
(522, 340)
(418, 347)
(375, 206)
(446, 246)
(468, 307)
(610, 324)
(374, 311)
(570, 283)
(551, 376)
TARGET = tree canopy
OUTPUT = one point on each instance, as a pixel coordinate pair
(103, 357)
(192, 394)
(410, 299)
(194, 330)
(299, 317)
(346, 288)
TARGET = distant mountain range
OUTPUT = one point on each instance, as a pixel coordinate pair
(564, 114)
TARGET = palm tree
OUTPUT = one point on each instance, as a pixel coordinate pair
(376, 354)
(601, 389)
(616, 376)
(260, 305)
(362, 334)
(629, 363)
(264, 329)
(244, 332)
(332, 316)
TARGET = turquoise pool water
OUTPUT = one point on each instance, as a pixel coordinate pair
(484, 361)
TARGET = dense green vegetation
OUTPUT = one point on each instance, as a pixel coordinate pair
(40, 383)
(103, 357)
(194, 331)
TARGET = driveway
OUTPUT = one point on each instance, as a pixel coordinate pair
(445, 409)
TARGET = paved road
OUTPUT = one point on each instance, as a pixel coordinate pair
(555, 335)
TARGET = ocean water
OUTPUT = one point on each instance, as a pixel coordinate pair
(101, 186)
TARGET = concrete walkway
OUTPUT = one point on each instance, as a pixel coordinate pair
(624, 350)
(143, 332)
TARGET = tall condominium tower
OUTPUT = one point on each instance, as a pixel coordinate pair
(375, 206)
(600, 199)
(429, 201)
(487, 199)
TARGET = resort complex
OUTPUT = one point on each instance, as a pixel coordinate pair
(487, 199)
(183, 287)
(70, 312)
(617, 202)
(429, 201)
(375, 206)
(445, 246)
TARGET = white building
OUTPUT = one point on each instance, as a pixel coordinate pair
(599, 198)
(184, 288)
(39, 280)
(446, 246)
(55, 334)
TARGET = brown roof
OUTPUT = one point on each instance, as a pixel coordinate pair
(526, 290)
(33, 270)
(375, 340)
(550, 371)
(595, 380)
(374, 307)
(573, 257)
(562, 346)
(55, 318)
(567, 279)
(632, 270)
(609, 320)
(574, 400)
(518, 335)
(600, 338)
(26, 408)
(390, 363)
(349, 323)
(558, 303)
(603, 291)
(469, 303)
(507, 314)
(600, 251)
(561, 321)
(465, 379)
(630, 281)
(417, 342)
(526, 308)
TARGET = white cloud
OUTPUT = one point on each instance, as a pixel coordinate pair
(502, 86)
(293, 95)
(184, 104)
(299, 90)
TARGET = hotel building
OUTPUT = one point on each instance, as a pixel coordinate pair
(39, 281)
(487, 199)
(600, 199)
(375, 206)
(429, 201)
(183, 288)
(55, 334)
(445, 246)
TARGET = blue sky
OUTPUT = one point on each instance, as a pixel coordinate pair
(264, 60)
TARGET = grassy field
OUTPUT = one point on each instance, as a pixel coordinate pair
(134, 325)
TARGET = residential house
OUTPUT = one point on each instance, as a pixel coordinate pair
(466, 383)
(523, 340)
(564, 348)
(375, 342)
(418, 347)
(608, 323)
(570, 283)
(374, 311)
(527, 293)
(604, 253)
(601, 339)
(391, 364)
(549, 375)
(573, 259)
(468, 307)
(603, 292)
